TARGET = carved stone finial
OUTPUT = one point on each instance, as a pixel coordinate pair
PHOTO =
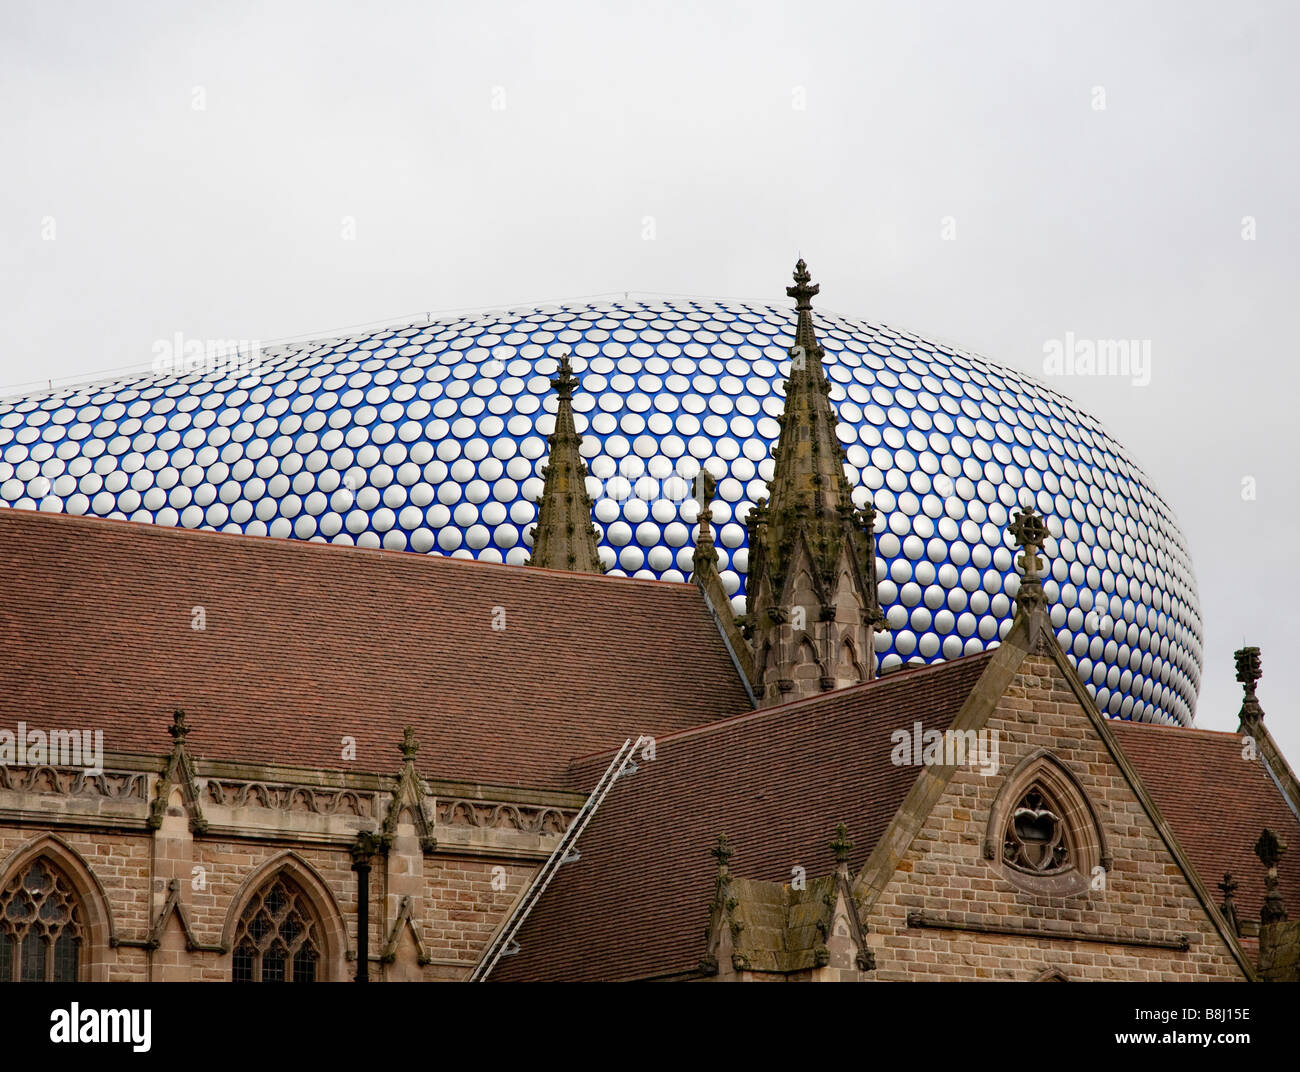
(179, 729)
(722, 852)
(802, 292)
(566, 383)
(409, 747)
(1229, 908)
(1248, 673)
(806, 353)
(841, 846)
(1269, 848)
(1228, 887)
(1029, 531)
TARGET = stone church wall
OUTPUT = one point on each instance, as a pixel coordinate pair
(944, 875)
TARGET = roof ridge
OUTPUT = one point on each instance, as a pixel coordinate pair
(1206, 730)
(837, 694)
(177, 532)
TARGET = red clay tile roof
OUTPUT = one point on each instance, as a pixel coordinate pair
(306, 643)
(1217, 803)
(774, 781)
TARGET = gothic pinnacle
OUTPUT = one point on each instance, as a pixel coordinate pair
(564, 537)
(812, 552)
(808, 486)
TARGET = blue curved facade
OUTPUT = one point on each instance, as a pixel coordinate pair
(428, 437)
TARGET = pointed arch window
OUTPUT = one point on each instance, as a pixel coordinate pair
(1044, 833)
(42, 926)
(279, 937)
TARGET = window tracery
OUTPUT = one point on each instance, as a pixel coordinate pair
(42, 926)
(278, 939)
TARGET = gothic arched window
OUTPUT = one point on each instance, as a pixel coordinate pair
(1043, 833)
(279, 937)
(41, 926)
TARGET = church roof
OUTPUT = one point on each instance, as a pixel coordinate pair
(775, 781)
(1217, 803)
(305, 644)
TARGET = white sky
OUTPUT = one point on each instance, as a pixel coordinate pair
(1124, 223)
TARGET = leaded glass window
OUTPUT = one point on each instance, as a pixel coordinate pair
(278, 938)
(41, 926)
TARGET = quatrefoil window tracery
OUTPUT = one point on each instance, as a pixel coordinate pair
(1037, 839)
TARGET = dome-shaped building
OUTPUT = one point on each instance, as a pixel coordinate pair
(430, 436)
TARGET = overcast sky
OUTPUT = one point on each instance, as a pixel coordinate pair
(990, 175)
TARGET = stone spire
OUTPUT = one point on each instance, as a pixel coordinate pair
(564, 537)
(809, 491)
(812, 579)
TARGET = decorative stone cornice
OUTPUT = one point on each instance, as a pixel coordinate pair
(229, 799)
(495, 815)
(74, 782)
(291, 798)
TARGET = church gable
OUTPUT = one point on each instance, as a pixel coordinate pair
(792, 774)
(1044, 855)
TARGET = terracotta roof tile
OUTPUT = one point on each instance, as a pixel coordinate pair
(774, 781)
(1217, 804)
(306, 643)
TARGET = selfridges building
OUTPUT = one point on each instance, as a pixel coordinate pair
(428, 438)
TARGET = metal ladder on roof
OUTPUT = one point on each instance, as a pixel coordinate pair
(503, 944)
